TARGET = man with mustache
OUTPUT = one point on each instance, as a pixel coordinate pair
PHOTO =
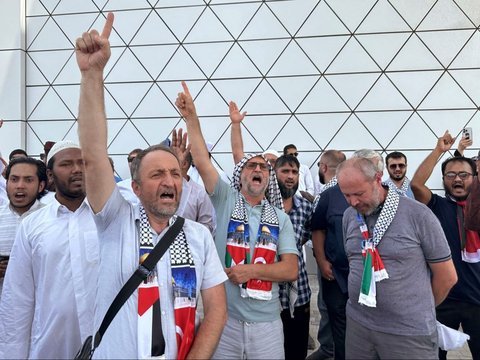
(400, 268)
(294, 296)
(158, 319)
(255, 239)
(462, 306)
(46, 310)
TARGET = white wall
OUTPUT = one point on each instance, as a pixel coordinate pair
(388, 75)
(12, 75)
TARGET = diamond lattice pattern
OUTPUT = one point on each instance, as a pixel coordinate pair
(344, 74)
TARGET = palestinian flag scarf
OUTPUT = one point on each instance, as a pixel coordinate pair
(470, 240)
(373, 267)
(184, 295)
(238, 233)
(238, 246)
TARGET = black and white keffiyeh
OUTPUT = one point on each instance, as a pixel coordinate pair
(272, 193)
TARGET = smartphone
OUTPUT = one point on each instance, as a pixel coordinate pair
(468, 133)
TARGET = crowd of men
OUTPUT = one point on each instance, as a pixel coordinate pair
(392, 256)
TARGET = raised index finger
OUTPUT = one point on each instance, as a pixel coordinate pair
(185, 89)
(107, 29)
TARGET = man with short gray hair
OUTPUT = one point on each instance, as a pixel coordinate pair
(400, 268)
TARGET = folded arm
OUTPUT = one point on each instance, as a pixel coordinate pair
(284, 270)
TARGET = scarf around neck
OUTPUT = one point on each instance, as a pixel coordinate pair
(184, 285)
(373, 268)
(469, 239)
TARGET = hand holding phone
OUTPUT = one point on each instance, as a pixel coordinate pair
(468, 133)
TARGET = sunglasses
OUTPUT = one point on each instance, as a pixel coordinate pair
(130, 159)
(253, 165)
(451, 175)
(394, 166)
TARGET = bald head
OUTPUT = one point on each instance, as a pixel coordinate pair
(327, 166)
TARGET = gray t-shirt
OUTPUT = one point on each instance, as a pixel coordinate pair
(405, 303)
(247, 309)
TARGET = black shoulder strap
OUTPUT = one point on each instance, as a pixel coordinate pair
(138, 276)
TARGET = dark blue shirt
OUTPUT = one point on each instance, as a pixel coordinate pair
(467, 288)
(328, 216)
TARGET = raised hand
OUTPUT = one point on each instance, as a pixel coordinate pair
(236, 116)
(445, 142)
(464, 143)
(92, 49)
(179, 144)
(185, 103)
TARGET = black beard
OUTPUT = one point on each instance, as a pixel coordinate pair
(321, 178)
(287, 193)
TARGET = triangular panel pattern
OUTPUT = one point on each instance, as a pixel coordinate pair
(388, 75)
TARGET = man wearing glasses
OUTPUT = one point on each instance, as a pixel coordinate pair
(462, 306)
(397, 171)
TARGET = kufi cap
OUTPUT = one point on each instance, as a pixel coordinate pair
(271, 152)
(61, 145)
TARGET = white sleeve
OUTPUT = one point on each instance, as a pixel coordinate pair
(309, 187)
(17, 304)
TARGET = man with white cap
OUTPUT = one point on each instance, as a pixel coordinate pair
(46, 310)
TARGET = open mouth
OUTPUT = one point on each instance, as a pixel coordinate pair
(257, 179)
(167, 195)
(20, 196)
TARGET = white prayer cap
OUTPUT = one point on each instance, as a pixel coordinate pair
(271, 152)
(59, 146)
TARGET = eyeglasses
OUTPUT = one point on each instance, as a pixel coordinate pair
(394, 166)
(253, 165)
(451, 175)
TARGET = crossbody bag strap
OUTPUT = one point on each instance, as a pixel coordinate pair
(138, 276)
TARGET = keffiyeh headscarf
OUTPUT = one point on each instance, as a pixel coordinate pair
(272, 193)
(238, 234)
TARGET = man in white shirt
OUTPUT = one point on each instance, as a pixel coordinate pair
(26, 180)
(128, 233)
(46, 309)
